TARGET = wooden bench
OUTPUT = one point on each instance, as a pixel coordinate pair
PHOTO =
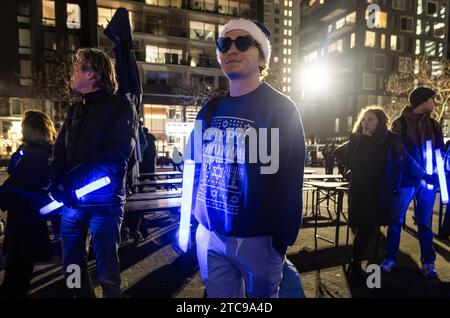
(154, 195)
(172, 204)
(166, 184)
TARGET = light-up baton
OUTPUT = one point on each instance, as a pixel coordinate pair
(441, 174)
(429, 166)
(100, 183)
(186, 204)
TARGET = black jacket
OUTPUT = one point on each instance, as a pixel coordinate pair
(22, 195)
(414, 132)
(377, 170)
(96, 140)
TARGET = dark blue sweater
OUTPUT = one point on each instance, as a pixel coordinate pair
(234, 197)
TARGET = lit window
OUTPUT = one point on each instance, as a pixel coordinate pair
(381, 19)
(370, 39)
(396, 43)
(73, 16)
(430, 48)
(352, 40)
(48, 13)
(417, 51)
(202, 31)
(419, 27)
(104, 15)
(439, 30)
(24, 41)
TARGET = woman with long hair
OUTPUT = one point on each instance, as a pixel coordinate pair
(22, 194)
(376, 159)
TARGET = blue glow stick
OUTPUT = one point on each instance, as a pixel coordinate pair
(186, 204)
(441, 174)
(91, 187)
(429, 161)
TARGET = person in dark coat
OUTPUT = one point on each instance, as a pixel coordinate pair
(416, 128)
(149, 155)
(377, 160)
(22, 195)
(96, 140)
(328, 155)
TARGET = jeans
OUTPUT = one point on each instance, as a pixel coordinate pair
(104, 225)
(235, 267)
(424, 213)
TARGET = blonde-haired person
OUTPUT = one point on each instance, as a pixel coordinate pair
(26, 238)
(377, 160)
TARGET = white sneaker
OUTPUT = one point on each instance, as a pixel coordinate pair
(387, 265)
(429, 270)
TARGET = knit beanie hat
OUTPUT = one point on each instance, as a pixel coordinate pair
(257, 30)
(420, 95)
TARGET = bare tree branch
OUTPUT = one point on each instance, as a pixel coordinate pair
(435, 75)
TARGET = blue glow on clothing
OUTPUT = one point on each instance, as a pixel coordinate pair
(100, 183)
(441, 174)
(429, 162)
(186, 204)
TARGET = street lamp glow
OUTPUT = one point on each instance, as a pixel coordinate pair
(315, 78)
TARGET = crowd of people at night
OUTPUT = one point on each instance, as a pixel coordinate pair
(247, 215)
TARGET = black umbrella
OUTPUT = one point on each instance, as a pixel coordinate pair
(119, 32)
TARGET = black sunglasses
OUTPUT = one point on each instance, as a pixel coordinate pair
(242, 43)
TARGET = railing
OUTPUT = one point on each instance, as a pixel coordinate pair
(171, 58)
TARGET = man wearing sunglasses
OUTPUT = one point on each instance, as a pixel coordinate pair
(247, 216)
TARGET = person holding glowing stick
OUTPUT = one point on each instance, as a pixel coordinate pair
(94, 147)
(100, 183)
(249, 209)
(420, 134)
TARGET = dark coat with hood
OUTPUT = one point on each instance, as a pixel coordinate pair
(377, 169)
(22, 195)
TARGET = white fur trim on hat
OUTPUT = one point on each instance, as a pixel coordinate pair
(253, 30)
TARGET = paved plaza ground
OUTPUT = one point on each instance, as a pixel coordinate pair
(154, 270)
